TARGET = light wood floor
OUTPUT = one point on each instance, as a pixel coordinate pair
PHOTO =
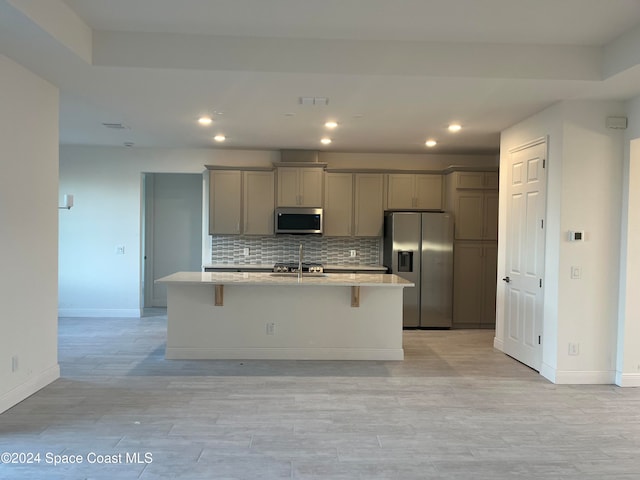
(454, 409)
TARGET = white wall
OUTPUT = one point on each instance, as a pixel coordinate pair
(628, 338)
(107, 185)
(28, 233)
(583, 193)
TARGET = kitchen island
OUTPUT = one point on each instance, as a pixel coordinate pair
(259, 315)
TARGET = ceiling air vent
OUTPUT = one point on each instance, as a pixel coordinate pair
(323, 101)
(115, 126)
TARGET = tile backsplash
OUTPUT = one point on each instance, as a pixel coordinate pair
(284, 248)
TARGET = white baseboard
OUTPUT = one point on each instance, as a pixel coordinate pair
(28, 388)
(100, 312)
(568, 377)
(180, 353)
(498, 344)
(627, 379)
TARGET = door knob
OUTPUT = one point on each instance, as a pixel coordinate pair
(506, 279)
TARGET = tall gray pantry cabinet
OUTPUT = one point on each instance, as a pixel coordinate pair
(472, 197)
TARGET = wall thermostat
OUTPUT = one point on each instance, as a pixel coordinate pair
(576, 236)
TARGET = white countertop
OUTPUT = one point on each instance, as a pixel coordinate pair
(264, 278)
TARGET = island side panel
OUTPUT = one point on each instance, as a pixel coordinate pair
(309, 323)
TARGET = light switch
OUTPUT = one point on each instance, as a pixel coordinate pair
(576, 272)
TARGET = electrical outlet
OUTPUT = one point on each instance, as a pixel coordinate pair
(271, 328)
(119, 249)
(14, 363)
(245, 252)
(353, 253)
(574, 349)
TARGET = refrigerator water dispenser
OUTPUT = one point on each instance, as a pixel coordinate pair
(405, 261)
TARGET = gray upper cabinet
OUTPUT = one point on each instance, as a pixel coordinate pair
(241, 202)
(406, 191)
(477, 180)
(258, 202)
(300, 186)
(225, 202)
(369, 205)
(473, 197)
(338, 204)
(354, 204)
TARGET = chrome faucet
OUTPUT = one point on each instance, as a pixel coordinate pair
(300, 263)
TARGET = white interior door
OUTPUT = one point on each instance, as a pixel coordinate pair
(525, 253)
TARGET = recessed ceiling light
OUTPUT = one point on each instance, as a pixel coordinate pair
(219, 138)
(325, 141)
(331, 124)
(204, 120)
(455, 127)
(430, 143)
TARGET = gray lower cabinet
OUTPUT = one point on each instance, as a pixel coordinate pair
(474, 284)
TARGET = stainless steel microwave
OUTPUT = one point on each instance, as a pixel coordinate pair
(298, 220)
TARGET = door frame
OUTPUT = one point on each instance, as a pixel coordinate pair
(147, 234)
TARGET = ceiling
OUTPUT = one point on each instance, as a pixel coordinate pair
(394, 73)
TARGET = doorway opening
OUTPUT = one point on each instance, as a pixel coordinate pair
(171, 231)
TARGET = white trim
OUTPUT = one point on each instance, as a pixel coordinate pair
(627, 379)
(548, 372)
(498, 344)
(187, 353)
(585, 378)
(100, 312)
(28, 388)
(529, 144)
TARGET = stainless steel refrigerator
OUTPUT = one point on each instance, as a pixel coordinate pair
(418, 246)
